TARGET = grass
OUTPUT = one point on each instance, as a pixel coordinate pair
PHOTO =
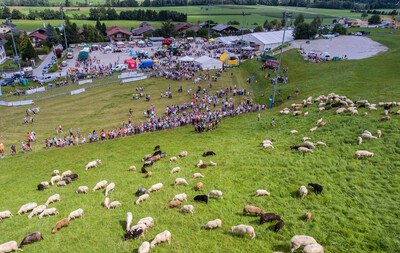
(8, 64)
(355, 213)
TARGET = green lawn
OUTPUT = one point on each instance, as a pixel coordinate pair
(357, 212)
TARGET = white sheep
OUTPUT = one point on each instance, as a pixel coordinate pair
(143, 227)
(148, 221)
(55, 179)
(199, 164)
(181, 181)
(267, 145)
(106, 202)
(319, 121)
(180, 197)
(303, 191)
(48, 212)
(187, 209)
(78, 213)
(56, 173)
(304, 150)
(5, 214)
(294, 131)
(313, 248)
(36, 211)
(313, 129)
(173, 159)
(367, 136)
(341, 110)
(129, 218)
(114, 204)
(52, 199)
(305, 138)
(320, 143)
(61, 183)
(109, 188)
(142, 198)
(305, 114)
(359, 140)
(363, 153)
(9, 247)
(82, 189)
(197, 175)
(301, 240)
(309, 145)
(213, 163)
(183, 154)
(217, 223)
(93, 164)
(320, 109)
(155, 187)
(161, 237)
(132, 168)
(26, 208)
(45, 184)
(216, 194)
(144, 248)
(66, 174)
(100, 185)
(261, 192)
(244, 229)
(175, 170)
(379, 133)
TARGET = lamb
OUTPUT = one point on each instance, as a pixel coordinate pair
(180, 197)
(83, 189)
(144, 248)
(197, 175)
(198, 186)
(142, 198)
(37, 210)
(173, 159)
(213, 163)
(320, 143)
(109, 188)
(317, 187)
(73, 176)
(66, 174)
(26, 208)
(208, 153)
(5, 215)
(183, 154)
(279, 225)
(301, 240)
(187, 209)
(60, 224)
(135, 231)
(56, 173)
(100, 185)
(43, 185)
(294, 132)
(201, 198)
(252, 210)
(217, 223)
(181, 181)
(114, 204)
(78, 213)
(379, 133)
(174, 203)
(363, 153)
(155, 187)
(9, 247)
(261, 192)
(359, 140)
(52, 199)
(161, 237)
(55, 179)
(175, 170)
(367, 135)
(313, 248)
(244, 229)
(313, 129)
(303, 191)
(48, 212)
(132, 168)
(304, 150)
(31, 238)
(216, 194)
(307, 216)
(93, 164)
(268, 217)
(61, 183)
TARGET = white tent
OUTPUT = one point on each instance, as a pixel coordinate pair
(206, 62)
(268, 39)
(186, 59)
(227, 40)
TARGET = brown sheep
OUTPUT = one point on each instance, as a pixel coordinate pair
(149, 174)
(155, 158)
(62, 223)
(198, 186)
(307, 216)
(174, 203)
(252, 210)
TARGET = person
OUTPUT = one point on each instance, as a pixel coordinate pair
(25, 120)
(2, 150)
(130, 111)
(297, 91)
(13, 150)
(258, 116)
(273, 123)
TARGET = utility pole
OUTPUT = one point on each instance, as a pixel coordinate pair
(16, 57)
(64, 30)
(208, 9)
(243, 23)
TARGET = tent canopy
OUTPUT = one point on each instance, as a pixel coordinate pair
(186, 59)
(208, 63)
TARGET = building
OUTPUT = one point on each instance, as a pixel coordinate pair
(3, 56)
(225, 29)
(267, 40)
(38, 37)
(182, 27)
(142, 29)
(116, 33)
(6, 27)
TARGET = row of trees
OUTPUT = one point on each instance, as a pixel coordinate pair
(46, 14)
(303, 30)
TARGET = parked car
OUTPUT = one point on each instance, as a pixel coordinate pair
(46, 78)
(80, 75)
(119, 67)
(17, 76)
(6, 81)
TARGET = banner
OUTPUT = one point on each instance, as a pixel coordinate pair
(74, 92)
(85, 81)
(129, 74)
(32, 91)
(16, 103)
(133, 79)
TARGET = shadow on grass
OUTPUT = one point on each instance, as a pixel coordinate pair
(281, 248)
(295, 194)
(122, 223)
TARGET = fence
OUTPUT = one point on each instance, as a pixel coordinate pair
(40, 89)
(133, 79)
(74, 92)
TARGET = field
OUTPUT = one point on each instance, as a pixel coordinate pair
(357, 211)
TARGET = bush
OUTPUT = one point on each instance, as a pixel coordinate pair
(44, 50)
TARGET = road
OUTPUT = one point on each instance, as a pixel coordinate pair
(38, 71)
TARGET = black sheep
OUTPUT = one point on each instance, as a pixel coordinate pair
(295, 147)
(208, 153)
(279, 225)
(131, 234)
(158, 152)
(141, 191)
(157, 147)
(73, 177)
(317, 187)
(40, 187)
(201, 198)
(144, 169)
(31, 238)
(67, 180)
(268, 217)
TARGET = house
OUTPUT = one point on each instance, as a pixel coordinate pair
(38, 37)
(194, 28)
(225, 29)
(181, 27)
(3, 56)
(116, 33)
(142, 29)
(6, 27)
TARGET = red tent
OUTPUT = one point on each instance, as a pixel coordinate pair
(131, 63)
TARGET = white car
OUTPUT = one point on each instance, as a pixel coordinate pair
(46, 78)
(119, 67)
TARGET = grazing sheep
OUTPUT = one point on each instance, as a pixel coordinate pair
(305, 114)
(173, 159)
(385, 118)
(67, 180)
(60, 224)
(201, 198)
(294, 132)
(9, 247)
(144, 248)
(129, 218)
(132, 168)
(379, 133)
(307, 216)
(36, 211)
(5, 215)
(187, 209)
(198, 186)
(93, 164)
(217, 223)
(398, 112)
(135, 231)
(56, 173)
(252, 210)
(114, 204)
(320, 109)
(161, 237)
(359, 140)
(183, 154)
(26, 208)
(279, 225)
(155, 187)
(181, 181)
(319, 121)
(100, 185)
(73, 176)
(208, 153)
(309, 145)
(341, 110)
(199, 164)
(317, 187)
(216, 194)
(285, 111)
(55, 179)
(367, 135)
(48, 212)
(61, 183)
(106, 202)
(147, 157)
(363, 153)
(140, 191)
(197, 175)
(31, 238)
(303, 191)
(313, 129)
(297, 113)
(180, 197)
(82, 189)
(175, 170)
(320, 143)
(149, 174)
(244, 229)
(43, 185)
(301, 240)
(313, 248)
(78, 213)
(52, 199)
(267, 145)
(109, 188)
(148, 221)
(174, 203)
(261, 192)
(213, 163)
(66, 174)
(304, 150)
(268, 217)
(142, 198)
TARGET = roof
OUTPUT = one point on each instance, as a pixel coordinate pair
(265, 38)
(222, 27)
(142, 29)
(154, 39)
(9, 24)
(227, 39)
(116, 29)
(38, 35)
(182, 26)
(194, 28)
(209, 63)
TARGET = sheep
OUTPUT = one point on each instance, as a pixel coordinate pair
(114, 205)
(66, 174)
(56, 173)
(181, 181)
(93, 164)
(297, 113)
(268, 217)
(109, 188)
(198, 186)
(379, 133)
(305, 138)
(187, 209)
(60, 224)
(309, 145)
(135, 231)
(197, 175)
(180, 197)
(398, 112)
(173, 159)
(279, 225)
(175, 170)
(183, 154)
(144, 248)
(285, 111)
(31, 238)
(174, 203)
(201, 198)
(320, 143)
(317, 187)
(359, 140)
(61, 183)
(43, 185)
(73, 176)
(55, 179)
(132, 168)
(67, 180)
(78, 213)
(307, 216)
(9, 247)
(313, 129)
(37, 210)
(148, 221)
(48, 212)
(363, 153)
(244, 229)
(252, 210)
(26, 208)
(217, 223)
(147, 157)
(385, 112)
(142, 198)
(161, 237)
(261, 192)
(320, 109)
(305, 114)
(155, 187)
(319, 121)
(367, 135)
(149, 174)
(100, 185)
(313, 248)
(341, 110)
(5, 214)
(199, 164)
(267, 145)
(303, 192)
(208, 153)
(385, 118)
(140, 191)
(216, 194)
(301, 240)
(304, 150)
(83, 189)
(293, 131)
(212, 163)
(129, 218)
(52, 199)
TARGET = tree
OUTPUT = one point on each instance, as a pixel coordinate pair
(98, 25)
(374, 19)
(67, 3)
(52, 38)
(26, 48)
(190, 33)
(112, 14)
(299, 19)
(71, 31)
(364, 15)
(16, 14)
(338, 28)
(167, 29)
(258, 29)
(6, 13)
(103, 29)
(301, 31)
(203, 32)
(314, 26)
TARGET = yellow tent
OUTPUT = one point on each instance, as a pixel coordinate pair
(223, 57)
(233, 61)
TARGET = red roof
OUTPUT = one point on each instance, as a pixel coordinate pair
(38, 35)
(115, 29)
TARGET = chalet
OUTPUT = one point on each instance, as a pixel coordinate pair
(181, 27)
(116, 33)
(224, 29)
(7, 27)
(194, 28)
(142, 29)
(38, 37)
